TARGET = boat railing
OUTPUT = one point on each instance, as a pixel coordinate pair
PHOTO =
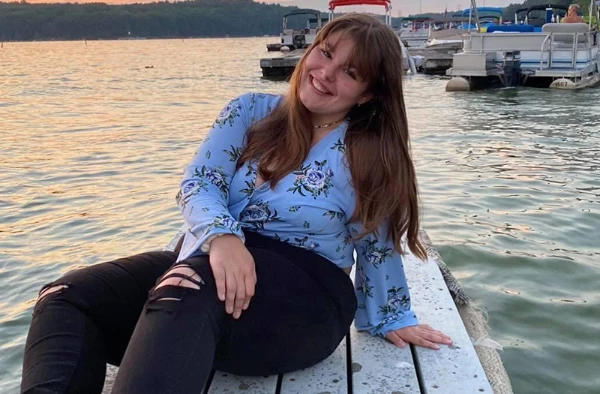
(548, 38)
(485, 42)
(573, 40)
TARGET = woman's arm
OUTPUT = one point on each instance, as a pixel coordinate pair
(204, 191)
(384, 306)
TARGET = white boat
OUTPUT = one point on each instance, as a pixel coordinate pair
(414, 32)
(447, 40)
(558, 55)
(451, 40)
(292, 39)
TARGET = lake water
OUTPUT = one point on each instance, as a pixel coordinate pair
(94, 136)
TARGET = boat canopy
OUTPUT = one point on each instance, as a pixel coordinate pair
(303, 11)
(483, 10)
(338, 3)
(528, 10)
(544, 7)
(539, 21)
(385, 3)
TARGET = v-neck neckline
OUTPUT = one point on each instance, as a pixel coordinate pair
(327, 137)
(315, 146)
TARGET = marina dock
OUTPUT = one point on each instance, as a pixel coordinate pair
(280, 66)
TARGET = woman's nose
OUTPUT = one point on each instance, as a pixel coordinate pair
(328, 72)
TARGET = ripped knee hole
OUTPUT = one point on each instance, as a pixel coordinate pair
(45, 292)
(183, 276)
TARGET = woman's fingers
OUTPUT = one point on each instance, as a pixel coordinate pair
(219, 274)
(420, 341)
(250, 282)
(445, 339)
(238, 290)
(240, 297)
(416, 338)
(395, 339)
(230, 283)
(437, 337)
(234, 273)
(421, 335)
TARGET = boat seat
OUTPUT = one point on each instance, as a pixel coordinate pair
(564, 33)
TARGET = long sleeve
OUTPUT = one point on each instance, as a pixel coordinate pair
(381, 287)
(204, 191)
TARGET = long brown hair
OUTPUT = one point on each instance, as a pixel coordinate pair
(377, 141)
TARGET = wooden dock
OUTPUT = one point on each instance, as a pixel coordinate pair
(274, 47)
(278, 67)
(363, 364)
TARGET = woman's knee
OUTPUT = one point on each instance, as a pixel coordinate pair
(181, 276)
(55, 291)
(50, 289)
(62, 288)
(183, 283)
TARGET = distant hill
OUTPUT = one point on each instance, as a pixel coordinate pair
(199, 18)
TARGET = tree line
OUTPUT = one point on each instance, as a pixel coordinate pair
(199, 18)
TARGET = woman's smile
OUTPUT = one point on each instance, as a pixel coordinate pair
(319, 87)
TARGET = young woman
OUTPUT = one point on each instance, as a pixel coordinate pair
(276, 200)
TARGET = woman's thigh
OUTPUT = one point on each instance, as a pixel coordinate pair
(110, 294)
(301, 310)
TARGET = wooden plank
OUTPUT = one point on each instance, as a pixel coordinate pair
(379, 367)
(452, 369)
(224, 383)
(328, 376)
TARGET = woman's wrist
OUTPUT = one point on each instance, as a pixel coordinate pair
(218, 240)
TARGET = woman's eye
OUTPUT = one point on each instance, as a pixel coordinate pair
(351, 73)
(326, 53)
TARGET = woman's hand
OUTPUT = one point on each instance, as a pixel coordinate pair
(235, 275)
(420, 335)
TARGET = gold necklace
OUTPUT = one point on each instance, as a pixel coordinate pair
(322, 126)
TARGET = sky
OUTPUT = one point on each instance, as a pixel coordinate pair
(399, 7)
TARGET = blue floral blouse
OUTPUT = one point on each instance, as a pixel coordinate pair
(308, 208)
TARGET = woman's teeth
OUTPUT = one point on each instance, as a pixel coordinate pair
(320, 88)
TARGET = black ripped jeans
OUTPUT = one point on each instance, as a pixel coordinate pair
(302, 308)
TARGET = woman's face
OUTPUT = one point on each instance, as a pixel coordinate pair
(329, 86)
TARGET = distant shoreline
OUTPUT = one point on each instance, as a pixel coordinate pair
(132, 39)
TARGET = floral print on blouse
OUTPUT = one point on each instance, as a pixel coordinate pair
(308, 208)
